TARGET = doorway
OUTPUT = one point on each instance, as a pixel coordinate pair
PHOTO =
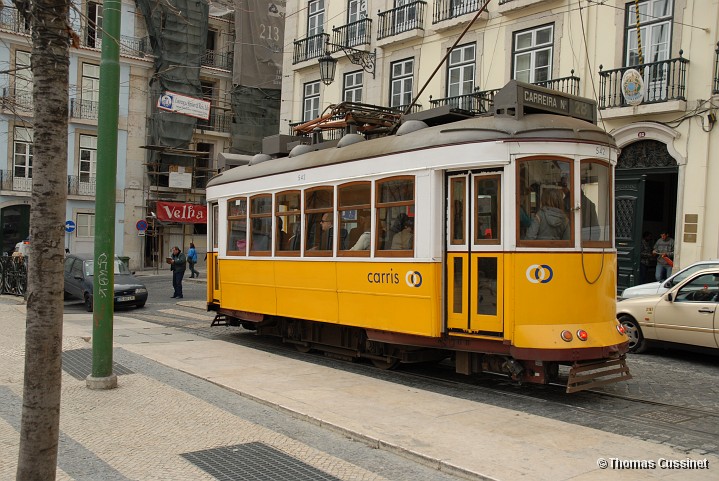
(646, 202)
(474, 253)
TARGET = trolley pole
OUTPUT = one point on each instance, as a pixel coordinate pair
(102, 376)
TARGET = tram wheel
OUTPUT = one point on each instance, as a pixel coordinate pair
(303, 348)
(386, 363)
(637, 343)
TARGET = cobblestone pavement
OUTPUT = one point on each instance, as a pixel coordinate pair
(162, 424)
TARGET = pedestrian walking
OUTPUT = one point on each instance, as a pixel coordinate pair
(192, 260)
(177, 263)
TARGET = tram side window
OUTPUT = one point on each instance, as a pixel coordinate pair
(288, 223)
(319, 221)
(355, 217)
(237, 226)
(395, 216)
(544, 203)
(261, 222)
(595, 203)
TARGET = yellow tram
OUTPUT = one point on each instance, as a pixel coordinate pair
(484, 239)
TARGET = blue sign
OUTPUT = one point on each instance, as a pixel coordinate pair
(69, 226)
(141, 225)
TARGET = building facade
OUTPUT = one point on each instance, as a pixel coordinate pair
(668, 145)
(138, 186)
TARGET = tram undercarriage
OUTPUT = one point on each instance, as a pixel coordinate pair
(386, 351)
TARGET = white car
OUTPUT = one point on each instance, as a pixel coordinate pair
(686, 314)
(654, 288)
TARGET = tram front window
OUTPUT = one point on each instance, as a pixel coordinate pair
(545, 199)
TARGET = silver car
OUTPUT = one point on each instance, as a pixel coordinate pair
(654, 288)
(686, 314)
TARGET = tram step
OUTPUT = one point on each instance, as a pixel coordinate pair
(220, 320)
(590, 375)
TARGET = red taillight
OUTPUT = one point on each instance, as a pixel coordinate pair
(621, 329)
(582, 335)
(566, 336)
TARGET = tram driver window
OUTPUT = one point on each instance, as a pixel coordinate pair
(544, 200)
(237, 226)
(395, 216)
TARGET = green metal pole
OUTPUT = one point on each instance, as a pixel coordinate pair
(102, 376)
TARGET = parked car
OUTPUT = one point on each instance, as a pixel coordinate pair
(654, 288)
(685, 315)
(128, 291)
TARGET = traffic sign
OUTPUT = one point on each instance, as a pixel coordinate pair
(141, 224)
(69, 226)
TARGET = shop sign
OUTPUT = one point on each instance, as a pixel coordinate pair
(183, 213)
(182, 104)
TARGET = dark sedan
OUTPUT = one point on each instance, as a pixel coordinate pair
(79, 277)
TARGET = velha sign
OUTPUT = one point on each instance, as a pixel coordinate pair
(181, 212)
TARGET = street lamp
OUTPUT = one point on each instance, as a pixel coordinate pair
(328, 64)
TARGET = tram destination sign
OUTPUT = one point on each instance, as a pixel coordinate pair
(517, 99)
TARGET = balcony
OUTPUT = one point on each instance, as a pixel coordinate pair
(80, 185)
(353, 34)
(401, 19)
(84, 109)
(482, 101)
(10, 19)
(213, 59)
(16, 184)
(17, 100)
(218, 122)
(309, 48)
(76, 185)
(448, 9)
(664, 81)
(135, 47)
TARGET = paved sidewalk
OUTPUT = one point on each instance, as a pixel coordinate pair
(150, 419)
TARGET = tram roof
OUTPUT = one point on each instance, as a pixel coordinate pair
(532, 127)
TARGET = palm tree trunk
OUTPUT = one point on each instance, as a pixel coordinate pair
(40, 426)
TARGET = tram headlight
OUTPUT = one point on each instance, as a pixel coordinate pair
(582, 335)
(566, 336)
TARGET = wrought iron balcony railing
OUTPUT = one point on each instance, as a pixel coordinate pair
(400, 109)
(310, 47)
(353, 34)
(10, 19)
(446, 9)
(81, 185)
(401, 19)
(84, 109)
(482, 101)
(76, 185)
(135, 46)
(17, 100)
(715, 88)
(663, 81)
(217, 60)
(218, 122)
(8, 181)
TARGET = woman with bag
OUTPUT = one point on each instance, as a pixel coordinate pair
(192, 260)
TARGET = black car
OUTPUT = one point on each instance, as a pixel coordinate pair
(79, 276)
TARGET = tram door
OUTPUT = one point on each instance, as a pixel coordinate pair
(474, 253)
